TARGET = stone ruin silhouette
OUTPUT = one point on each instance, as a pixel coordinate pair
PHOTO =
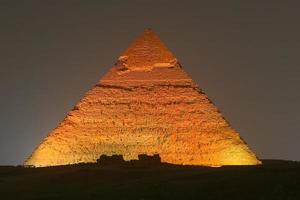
(143, 160)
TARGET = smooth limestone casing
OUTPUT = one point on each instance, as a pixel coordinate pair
(146, 104)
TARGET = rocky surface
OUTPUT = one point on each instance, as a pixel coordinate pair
(146, 104)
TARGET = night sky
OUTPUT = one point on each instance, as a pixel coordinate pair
(245, 56)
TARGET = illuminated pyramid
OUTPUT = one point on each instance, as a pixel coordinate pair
(146, 104)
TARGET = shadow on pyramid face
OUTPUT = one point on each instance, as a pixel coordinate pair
(118, 160)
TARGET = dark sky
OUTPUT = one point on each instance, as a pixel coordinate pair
(245, 56)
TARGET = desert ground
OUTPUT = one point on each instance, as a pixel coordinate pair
(274, 179)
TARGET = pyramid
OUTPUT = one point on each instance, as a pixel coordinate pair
(145, 104)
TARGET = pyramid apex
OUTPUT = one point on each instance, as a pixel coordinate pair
(147, 52)
(148, 33)
(149, 29)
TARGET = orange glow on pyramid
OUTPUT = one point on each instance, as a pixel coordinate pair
(146, 104)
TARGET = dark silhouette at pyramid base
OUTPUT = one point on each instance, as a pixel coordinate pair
(143, 160)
